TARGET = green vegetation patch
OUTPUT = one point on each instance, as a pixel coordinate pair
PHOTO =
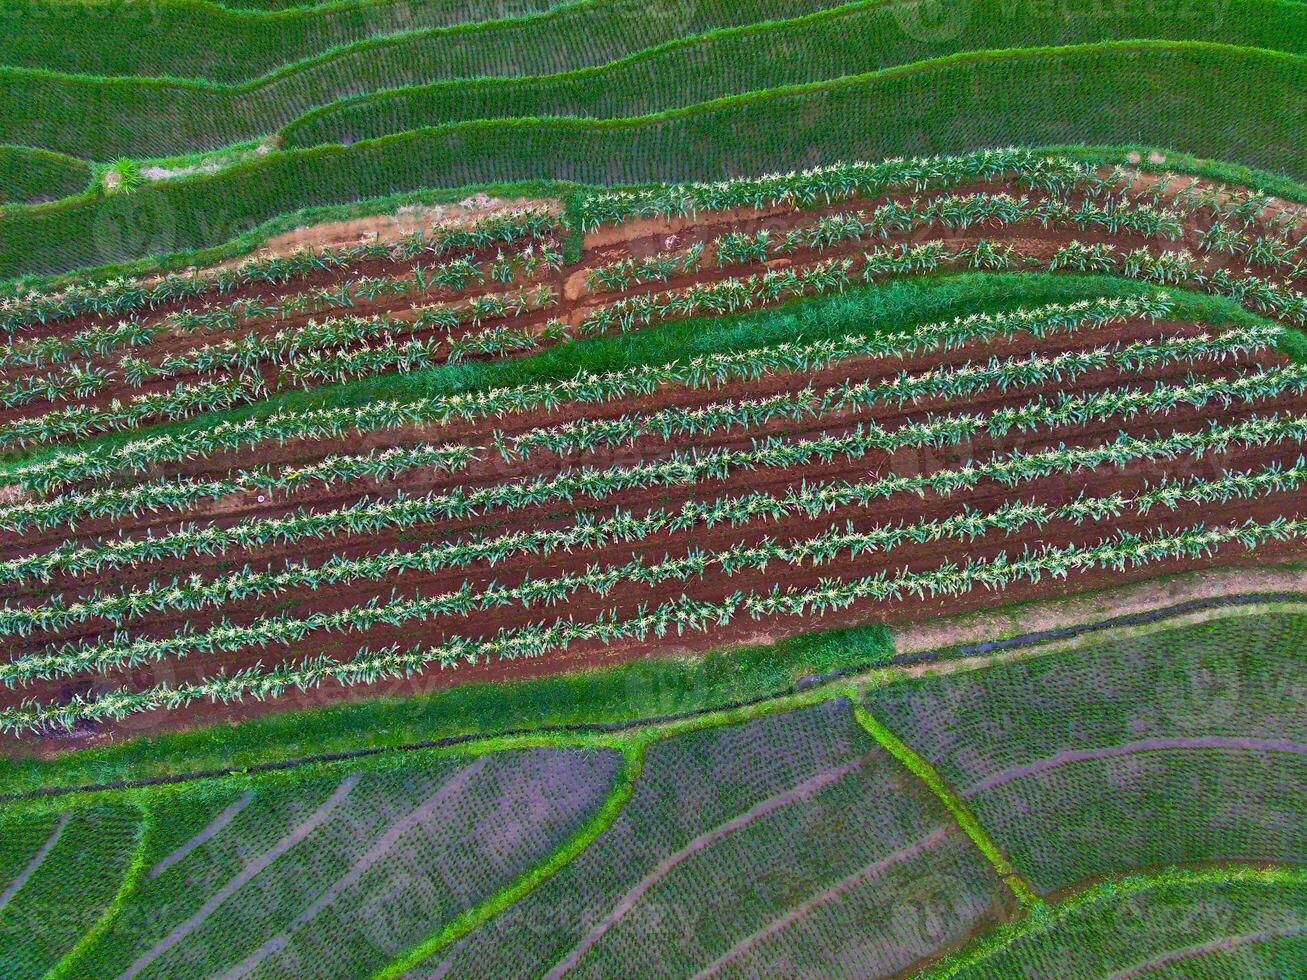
(335, 873)
(1125, 93)
(1173, 747)
(790, 836)
(28, 176)
(67, 882)
(1178, 923)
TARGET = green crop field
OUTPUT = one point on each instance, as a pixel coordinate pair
(604, 853)
(653, 488)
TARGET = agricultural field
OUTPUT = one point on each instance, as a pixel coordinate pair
(688, 488)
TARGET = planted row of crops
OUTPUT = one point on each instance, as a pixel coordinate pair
(1119, 552)
(303, 363)
(838, 541)
(649, 498)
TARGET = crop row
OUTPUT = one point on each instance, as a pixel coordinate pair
(303, 363)
(168, 494)
(953, 211)
(943, 382)
(457, 274)
(903, 387)
(838, 541)
(193, 594)
(1182, 268)
(822, 185)
(680, 468)
(1239, 205)
(68, 468)
(119, 296)
(1119, 552)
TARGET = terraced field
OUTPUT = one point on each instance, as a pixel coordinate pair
(364, 541)
(681, 488)
(809, 835)
(181, 125)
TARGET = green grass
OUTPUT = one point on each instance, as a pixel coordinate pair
(28, 176)
(200, 39)
(846, 41)
(1157, 804)
(1124, 922)
(641, 689)
(862, 310)
(319, 101)
(956, 806)
(68, 894)
(1241, 104)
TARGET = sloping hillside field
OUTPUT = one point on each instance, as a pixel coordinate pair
(595, 488)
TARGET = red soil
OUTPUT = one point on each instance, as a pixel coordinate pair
(635, 239)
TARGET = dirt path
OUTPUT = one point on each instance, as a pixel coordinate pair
(379, 849)
(15, 886)
(1203, 949)
(215, 827)
(1143, 597)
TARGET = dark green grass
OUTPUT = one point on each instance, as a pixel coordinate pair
(200, 39)
(1243, 105)
(29, 176)
(1133, 921)
(867, 309)
(319, 101)
(846, 41)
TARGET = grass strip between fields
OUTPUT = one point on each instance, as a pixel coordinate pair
(633, 762)
(929, 775)
(1115, 889)
(67, 965)
(651, 696)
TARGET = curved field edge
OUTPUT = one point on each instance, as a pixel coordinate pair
(633, 762)
(159, 261)
(179, 121)
(1112, 890)
(29, 175)
(1124, 95)
(652, 696)
(863, 310)
(170, 36)
(632, 744)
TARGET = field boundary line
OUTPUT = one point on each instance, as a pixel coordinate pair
(1113, 888)
(929, 775)
(36, 860)
(131, 879)
(988, 650)
(524, 884)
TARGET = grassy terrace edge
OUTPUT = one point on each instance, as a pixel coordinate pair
(1254, 110)
(103, 118)
(594, 706)
(569, 192)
